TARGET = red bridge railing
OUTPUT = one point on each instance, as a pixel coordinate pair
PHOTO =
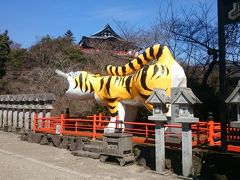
(93, 127)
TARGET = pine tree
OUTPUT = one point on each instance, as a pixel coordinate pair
(4, 51)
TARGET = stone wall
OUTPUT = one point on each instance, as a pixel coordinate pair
(16, 111)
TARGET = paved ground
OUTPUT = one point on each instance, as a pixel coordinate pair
(23, 161)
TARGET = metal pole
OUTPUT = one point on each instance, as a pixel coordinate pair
(222, 75)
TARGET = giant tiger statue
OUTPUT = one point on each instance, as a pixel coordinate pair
(128, 86)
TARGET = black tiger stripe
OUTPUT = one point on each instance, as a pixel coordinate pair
(128, 81)
(108, 85)
(123, 81)
(111, 107)
(76, 84)
(86, 88)
(151, 51)
(116, 71)
(145, 56)
(81, 82)
(91, 87)
(111, 99)
(167, 70)
(131, 66)
(159, 53)
(143, 95)
(163, 69)
(138, 74)
(101, 84)
(140, 62)
(114, 114)
(143, 78)
(155, 70)
(116, 79)
(111, 71)
(119, 81)
(124, 70)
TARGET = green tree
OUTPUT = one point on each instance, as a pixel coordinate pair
(69, 36)
(4, 51)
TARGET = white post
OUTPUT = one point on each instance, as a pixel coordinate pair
(9, 117)
(26, 119)
(40, 115)
(15, 118)
(32, 117)
(5, 117)
(1, 117)
(20, 118)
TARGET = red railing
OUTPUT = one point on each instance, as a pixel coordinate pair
(93, 127)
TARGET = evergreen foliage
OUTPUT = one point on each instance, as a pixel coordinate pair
(4, 51)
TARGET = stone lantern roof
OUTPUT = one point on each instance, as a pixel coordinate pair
(234, 97)
(158, 96)
(185, 96)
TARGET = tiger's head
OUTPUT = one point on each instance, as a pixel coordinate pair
(80, 85)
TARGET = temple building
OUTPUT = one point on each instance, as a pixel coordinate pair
(107, 40)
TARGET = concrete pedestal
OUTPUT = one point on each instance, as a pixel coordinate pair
(119, 146)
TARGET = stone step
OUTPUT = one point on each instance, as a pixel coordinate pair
(93, 148)
(96, 142)
(86, 154)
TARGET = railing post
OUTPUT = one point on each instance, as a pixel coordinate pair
(198, 133)
(62, 124)
(117, 122)
(100, 119)
(210, 132)
(94, 126)
(34, 122)
(146, 131)
(76, 126)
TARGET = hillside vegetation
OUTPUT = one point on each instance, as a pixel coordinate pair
(32, 70)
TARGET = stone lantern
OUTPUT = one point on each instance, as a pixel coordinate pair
(234, 98)
(184, 98)
(159, 99)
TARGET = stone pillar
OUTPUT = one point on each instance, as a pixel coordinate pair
(159, 99)
(21, 119)
(40, 115)
(32, 117)
(185, 99)
(160, 146)
(15, 118)
(1, 117)
(5, 112)
(9, 117)
(186, 149)
(26, 119)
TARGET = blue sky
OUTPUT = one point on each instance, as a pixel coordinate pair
(29, 20)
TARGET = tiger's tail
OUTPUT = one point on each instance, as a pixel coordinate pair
(151, 53)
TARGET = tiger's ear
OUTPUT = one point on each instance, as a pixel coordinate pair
(98, 75)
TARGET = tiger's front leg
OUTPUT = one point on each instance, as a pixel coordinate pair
(117, 114)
